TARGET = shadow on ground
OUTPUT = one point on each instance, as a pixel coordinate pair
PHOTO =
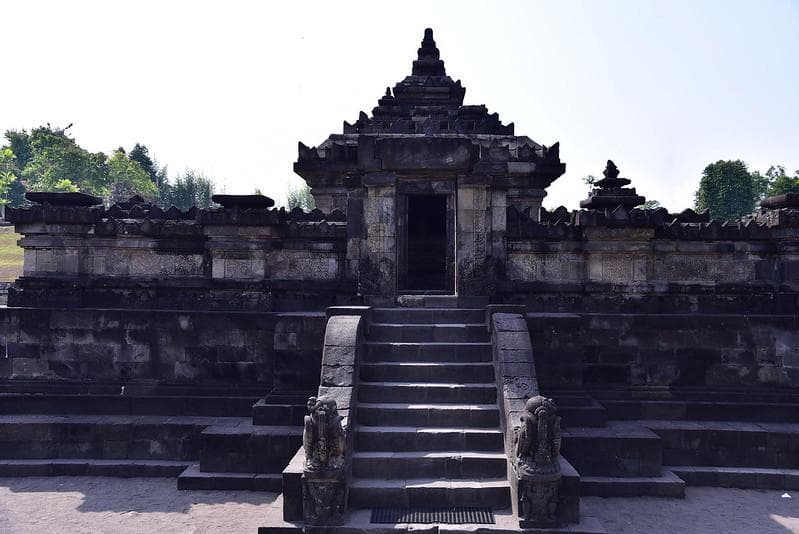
(142, 495)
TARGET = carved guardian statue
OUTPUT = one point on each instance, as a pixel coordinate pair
(323, 479)
(323, 436)
(537, 447)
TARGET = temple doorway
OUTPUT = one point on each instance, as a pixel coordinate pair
(427, 242)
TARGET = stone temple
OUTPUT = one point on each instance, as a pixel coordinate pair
(430, 347)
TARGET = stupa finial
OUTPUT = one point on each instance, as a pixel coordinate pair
(428, 63)
(611, 171)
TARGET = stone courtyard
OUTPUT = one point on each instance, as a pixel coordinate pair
(430, 345)
(133, 505)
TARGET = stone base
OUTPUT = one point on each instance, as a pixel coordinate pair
(324, 498)
(539, 496)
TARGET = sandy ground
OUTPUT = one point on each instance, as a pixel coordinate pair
(94, 504)
(72, 505)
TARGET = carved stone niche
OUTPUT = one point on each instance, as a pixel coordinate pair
(324, 481)
(538, 475)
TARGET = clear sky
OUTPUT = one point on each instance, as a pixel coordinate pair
(229, 87)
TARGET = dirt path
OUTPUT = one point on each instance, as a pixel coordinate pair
(149, 505)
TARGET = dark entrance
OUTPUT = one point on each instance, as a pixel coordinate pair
(427, 242)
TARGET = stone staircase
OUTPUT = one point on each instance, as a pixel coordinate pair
(657, 440)
(428, 424)
(53, 429)
(726, 437)
(251, 453)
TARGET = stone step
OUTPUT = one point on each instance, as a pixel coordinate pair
(248, 448)
(92, 467)
(443, 464)
(194, 479)
(138, 388)
(427, 372)
(109, 437)
(412, 438)
(379, 351)
(116, 404)
(433, 392)
(428, 315)
(400, 414)
(710, 394)
(592, 415)
(738, 477)
(620, 449)
(375, 492)
(728, 444)
(668, 484)
(427, 299)
(264, 413)
(453, 332)
(703, 410)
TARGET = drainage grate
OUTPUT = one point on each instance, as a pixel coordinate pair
(458, 515)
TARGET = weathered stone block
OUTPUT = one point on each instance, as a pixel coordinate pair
(337, 375)
(29, 368)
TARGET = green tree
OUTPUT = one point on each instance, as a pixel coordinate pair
(65, 185)
(55, 157)
(727, 189)
(8, 168)
(19, 143)
(162, 186)
(141, 155)
(300, 197)
(127, 178)
(779, 182)
(190, 189)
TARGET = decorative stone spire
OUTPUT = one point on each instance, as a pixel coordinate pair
(610, 192)
(428, 63)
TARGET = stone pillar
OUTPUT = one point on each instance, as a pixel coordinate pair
(475, 266)
(328, 199)
(523, 199)
(378, 267)
(55, 249)
(619, 255)
(324, 497)
(239, 252)
(356, 233)
(499, 221)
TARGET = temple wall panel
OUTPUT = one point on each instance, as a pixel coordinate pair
(160, 347)
(665, 350)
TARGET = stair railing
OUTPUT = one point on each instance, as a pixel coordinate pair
(529, 422)
(316, 481)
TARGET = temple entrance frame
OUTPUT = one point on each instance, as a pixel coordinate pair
(426, 242)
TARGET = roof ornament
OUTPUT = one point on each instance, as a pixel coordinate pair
(611, 192)
(611, 171)
(429, 63)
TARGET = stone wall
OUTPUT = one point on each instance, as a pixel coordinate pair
(135, 255)
(162, 347)
(642, 261)
(661, 350)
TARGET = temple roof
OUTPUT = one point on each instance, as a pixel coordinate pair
(428, 102)
(422, 124)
